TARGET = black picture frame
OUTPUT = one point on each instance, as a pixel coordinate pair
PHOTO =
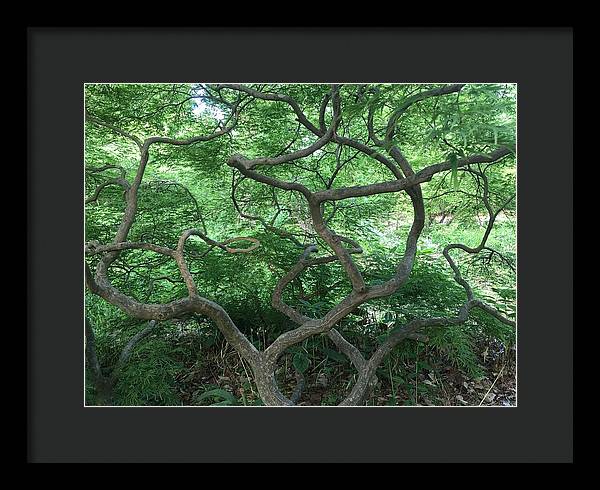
(61, 429)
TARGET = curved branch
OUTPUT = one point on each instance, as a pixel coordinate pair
(175, 309)
(303, 263)
(273, 97)
(424, 175)
(113, 128)
(94, 170)
(93, 248)
(288, 157)
(120, 182)
(269, 227)
(100, 284)
(393, 120)
(346, 348)
(127, 350)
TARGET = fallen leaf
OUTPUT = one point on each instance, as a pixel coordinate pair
(461, 399)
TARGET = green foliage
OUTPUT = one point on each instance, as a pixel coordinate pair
(219, 396)
(301, 362)
(190, 187)
(148, 378)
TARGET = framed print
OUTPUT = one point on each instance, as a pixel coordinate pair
(268, 253)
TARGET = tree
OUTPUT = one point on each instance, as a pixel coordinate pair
(303, 139)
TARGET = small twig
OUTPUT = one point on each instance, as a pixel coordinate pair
(416, 376)
(490, 389)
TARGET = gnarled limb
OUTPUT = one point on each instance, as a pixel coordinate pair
(100, 284)
(420, 177)
(360, 292)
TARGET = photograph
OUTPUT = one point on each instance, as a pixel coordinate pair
(260, 244)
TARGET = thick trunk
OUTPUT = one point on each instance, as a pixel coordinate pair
(267, 388)
(104, 391)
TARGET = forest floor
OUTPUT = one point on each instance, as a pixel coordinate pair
(446, 385)
(441, 385)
